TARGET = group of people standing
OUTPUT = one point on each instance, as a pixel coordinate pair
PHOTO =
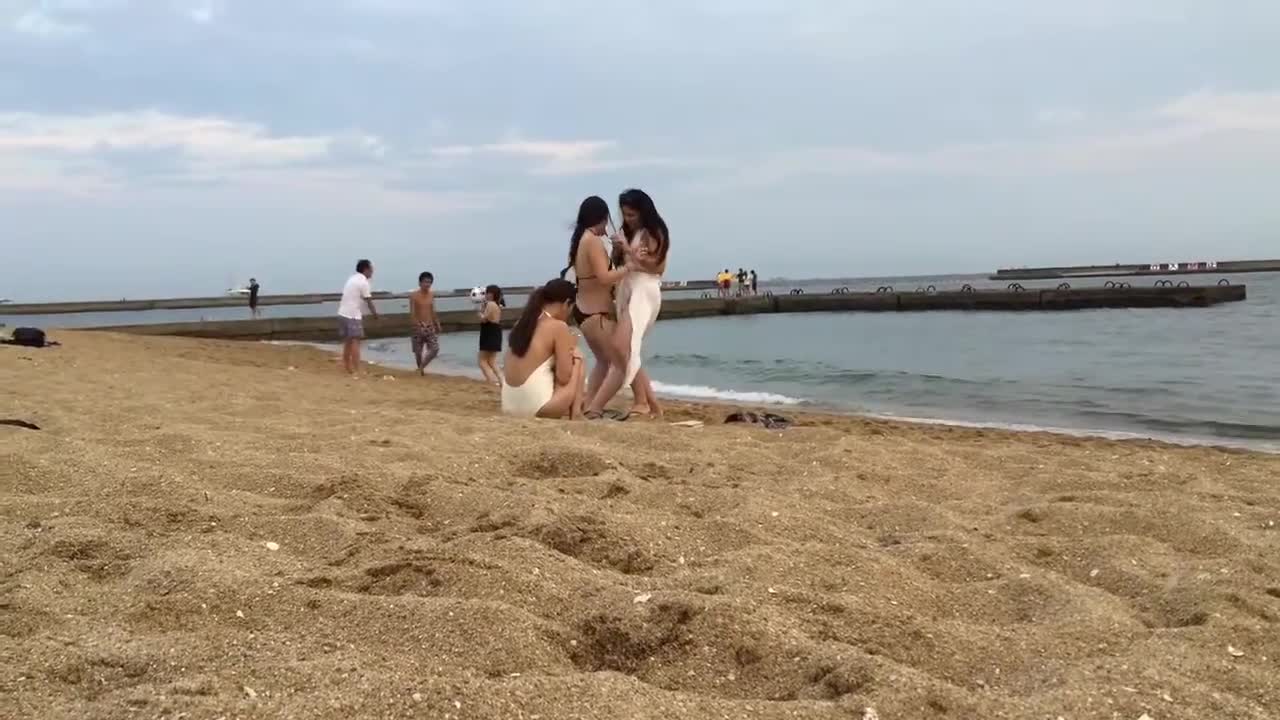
(614, 301)
(357, 300)
(747, 283)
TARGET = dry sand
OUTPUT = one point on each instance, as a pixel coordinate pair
(207, 530)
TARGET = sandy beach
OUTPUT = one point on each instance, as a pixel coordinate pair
(207, 529)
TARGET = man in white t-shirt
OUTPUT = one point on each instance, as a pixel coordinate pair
(356, 294)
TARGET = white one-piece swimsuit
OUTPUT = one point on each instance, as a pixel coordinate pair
(527, 398)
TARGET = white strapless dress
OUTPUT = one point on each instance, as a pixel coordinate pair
(639, 298)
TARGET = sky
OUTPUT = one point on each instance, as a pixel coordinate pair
(177, 147)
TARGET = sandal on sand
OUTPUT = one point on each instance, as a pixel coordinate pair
(592, 415)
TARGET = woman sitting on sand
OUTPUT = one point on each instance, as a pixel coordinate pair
(596, 276)
(543, 368)
(644, 241)
(491, 334)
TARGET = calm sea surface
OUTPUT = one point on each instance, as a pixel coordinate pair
(1193, 375)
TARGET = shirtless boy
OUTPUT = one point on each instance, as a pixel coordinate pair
(426, 324)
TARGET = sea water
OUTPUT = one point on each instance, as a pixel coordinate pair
(1207, 375)
(1200, 375)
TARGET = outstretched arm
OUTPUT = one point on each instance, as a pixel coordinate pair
(567, 353)
(598, 259)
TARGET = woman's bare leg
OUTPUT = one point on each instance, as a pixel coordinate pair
(580, 390)
(564, 400)
(497, 371)
(614, 380)
(596, 333)
(485, 360)
(645, 401)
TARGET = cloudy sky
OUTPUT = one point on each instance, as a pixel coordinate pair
(153, 147)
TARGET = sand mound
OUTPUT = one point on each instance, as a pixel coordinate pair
(200, 529)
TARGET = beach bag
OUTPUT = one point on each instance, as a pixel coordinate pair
(28, 337)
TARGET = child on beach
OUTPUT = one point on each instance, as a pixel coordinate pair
(356, 296)
(491, 334)
(426, 324)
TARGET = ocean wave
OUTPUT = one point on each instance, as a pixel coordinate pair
(703, 392)
(1171, 438)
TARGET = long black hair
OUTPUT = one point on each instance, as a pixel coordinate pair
(496, 292)
(555, 291)
(650, 221)
(593, 211)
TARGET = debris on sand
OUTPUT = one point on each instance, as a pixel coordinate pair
(271, 546)
(1233, 652)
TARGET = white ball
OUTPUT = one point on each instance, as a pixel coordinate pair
(477, 294)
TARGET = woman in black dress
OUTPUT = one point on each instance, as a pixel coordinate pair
(491, 334)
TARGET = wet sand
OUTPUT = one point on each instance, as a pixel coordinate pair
(236, 530)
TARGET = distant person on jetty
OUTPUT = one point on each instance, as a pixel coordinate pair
(491, 334)
(596, 278)
(755, 288)
(742, 282)
(426, 323)
(357, 294)
(645, 241)
(723, 279)
(253, 297)
(544, 369)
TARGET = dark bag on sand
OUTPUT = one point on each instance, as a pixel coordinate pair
(28, 337)
(768, 420)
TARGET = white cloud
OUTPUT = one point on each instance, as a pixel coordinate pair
(39, 23)
(1193, 132)
(163, 154)
(1227, 111)
(212, 141)
(561, 157)
(552, 157)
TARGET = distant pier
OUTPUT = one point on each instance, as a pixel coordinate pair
(221, 301)
(1173, 268)
(321, 329)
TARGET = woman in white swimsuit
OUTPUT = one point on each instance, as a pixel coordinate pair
(644, 240)
(543, 371)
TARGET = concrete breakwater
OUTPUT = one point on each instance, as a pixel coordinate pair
(1118, 270)
(318, 329)
(221, 301)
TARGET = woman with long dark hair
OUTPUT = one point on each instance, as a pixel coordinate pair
(543, 368)
(644, 241)
(596, 278)
(491, 334)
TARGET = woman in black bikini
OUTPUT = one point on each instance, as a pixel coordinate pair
(491, 334)
(596, 277)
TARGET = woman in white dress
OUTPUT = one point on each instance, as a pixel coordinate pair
(645, 241)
